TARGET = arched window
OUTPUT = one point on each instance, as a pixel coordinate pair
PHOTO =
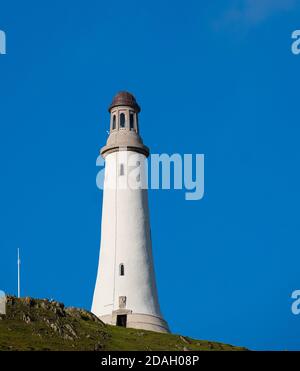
(121, 270)
(114, 122)
(131, 121)
(122, 120)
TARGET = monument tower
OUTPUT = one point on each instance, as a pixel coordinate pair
(125, 292)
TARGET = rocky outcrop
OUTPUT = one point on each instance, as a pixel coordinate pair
(60, 320)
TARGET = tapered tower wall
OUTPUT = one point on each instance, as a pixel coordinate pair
(126, 283)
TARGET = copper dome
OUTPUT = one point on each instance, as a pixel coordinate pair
(123, 98)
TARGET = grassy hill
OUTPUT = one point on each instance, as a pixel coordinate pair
(32, 324)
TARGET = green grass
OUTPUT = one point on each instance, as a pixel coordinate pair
(42, 325)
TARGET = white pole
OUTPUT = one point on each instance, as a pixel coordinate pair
(19, 280)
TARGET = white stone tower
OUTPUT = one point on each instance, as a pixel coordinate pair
(125, 292)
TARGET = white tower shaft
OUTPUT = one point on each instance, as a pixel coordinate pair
(125, 292)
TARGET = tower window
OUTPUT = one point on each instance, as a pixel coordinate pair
(122, 120)
(138, 177)
(114, 122)
(131, 121)
(122, 270)
(122, 172)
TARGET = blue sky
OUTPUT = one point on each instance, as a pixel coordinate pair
(220, 76)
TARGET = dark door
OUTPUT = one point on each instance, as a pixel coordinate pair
(122, 320)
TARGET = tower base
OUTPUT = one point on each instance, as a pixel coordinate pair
(125, 318)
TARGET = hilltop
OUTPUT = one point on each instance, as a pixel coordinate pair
(36, 324)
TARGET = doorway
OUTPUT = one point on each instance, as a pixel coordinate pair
(122, 320)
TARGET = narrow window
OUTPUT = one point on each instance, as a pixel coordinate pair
(122, 169)
(137, 123)
(121, 270)
(131, 121)
(114, 122)
(122, 120)
(138, 177)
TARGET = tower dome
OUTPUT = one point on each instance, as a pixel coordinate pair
(123, 98)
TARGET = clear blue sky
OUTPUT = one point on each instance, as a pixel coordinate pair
(218, 74)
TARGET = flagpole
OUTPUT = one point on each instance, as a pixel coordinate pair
(19, 280)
